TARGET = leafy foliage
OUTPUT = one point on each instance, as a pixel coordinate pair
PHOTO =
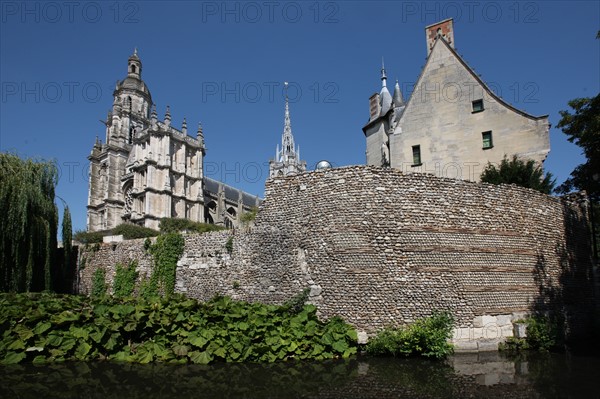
(67, 237)
(29, 224)
(125, 278)
(99, 284)
(229, 245)
(132, 231)
(248, 217)
(46, 327)
(176, 225)
(166, 251)
(542, 335)
(583, 129)
(89, 237)
(426, 337)
(520, 172)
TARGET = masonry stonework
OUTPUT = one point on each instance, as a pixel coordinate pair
(380, 247)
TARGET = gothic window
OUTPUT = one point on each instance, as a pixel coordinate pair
(133, 68)
(129, 102)
(416, 151)
(131, 132)
(128, 199)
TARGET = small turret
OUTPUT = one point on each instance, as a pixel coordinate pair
(153, 117)
(184, 127)
(384, 95)
(397, 97)
(167, 120)
(134, 66)
(200, 135)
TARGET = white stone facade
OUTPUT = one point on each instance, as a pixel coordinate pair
(147, 170)
(453, 124)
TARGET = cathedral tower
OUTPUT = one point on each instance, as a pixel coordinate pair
(287, 160)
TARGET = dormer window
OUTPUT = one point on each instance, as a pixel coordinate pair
(477, 106)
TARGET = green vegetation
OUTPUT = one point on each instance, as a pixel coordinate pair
(229, 245)
(248, 217)
(542, 335)
(29, 224)
(85, 237)
(426, 337)
(524, 173)
(45, 328)
(176, 225)
(167, 250)
(583, 129)
(132, 231)
(128, 230)
(125, 278)
(99, 284)
(67, 237)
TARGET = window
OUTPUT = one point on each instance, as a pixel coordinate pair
(416, 150)
(477, 106)
(487, 140)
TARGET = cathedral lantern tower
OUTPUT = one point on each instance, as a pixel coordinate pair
(287, 159)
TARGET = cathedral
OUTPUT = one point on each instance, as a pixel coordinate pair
(453, 124)
(147, 169)
(287, 160)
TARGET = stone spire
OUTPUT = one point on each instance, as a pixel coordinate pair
(287, 160)
(384, 95)
(287, 139)
(168, 116)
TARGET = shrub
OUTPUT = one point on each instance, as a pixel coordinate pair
(542, 335)
(86, 237)
(248, 217)
(176, 225)
(426, 337)
(131, 231)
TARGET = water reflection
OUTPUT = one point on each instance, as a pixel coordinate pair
(486, 375)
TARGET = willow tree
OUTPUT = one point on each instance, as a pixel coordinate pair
(28, 223)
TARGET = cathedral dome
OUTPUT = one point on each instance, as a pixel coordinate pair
(132, 83)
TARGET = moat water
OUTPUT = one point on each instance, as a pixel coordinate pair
(487, 375)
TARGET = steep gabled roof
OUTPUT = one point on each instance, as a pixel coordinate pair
(474, 75)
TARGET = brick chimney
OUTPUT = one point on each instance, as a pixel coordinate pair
(374, 106)
(444, 29)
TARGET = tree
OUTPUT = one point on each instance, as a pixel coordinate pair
(67, 237)
(525, 173)
(28, 225)
(583, 129)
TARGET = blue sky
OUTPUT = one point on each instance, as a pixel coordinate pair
(224, 64)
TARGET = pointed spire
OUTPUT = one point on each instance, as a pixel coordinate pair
(397, 97)
(200, 134)
(385, 97)
(168, 116)
(383, 75)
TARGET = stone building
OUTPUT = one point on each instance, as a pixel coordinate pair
(287, 160)
(147, 169)
(453, 124)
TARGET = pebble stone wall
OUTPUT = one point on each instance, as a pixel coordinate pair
(380, 247)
